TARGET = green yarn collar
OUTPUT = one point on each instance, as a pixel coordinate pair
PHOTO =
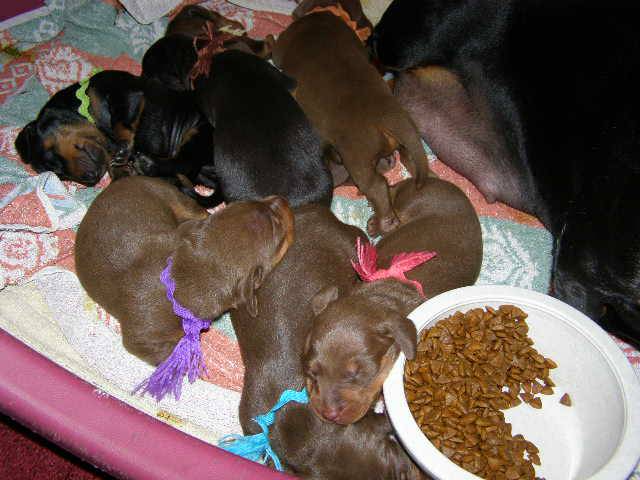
(81, 94)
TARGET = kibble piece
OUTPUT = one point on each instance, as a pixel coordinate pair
(546, 390)
(565, 400)
(536, 402)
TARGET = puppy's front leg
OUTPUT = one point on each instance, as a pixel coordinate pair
(120, 164)
(384, 219)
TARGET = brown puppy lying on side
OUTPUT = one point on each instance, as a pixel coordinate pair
(349, 103)
(440, 218)
(272, 343)
(345, 362)
(219, 260)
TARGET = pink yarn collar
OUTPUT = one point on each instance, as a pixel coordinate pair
(367, 269)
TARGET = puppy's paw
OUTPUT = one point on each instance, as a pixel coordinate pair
(372, 226)
(382, 226)
(387, 163)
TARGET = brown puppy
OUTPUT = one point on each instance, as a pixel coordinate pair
(191, 21)
(438, 218)
(349, 103)
(272, 343)
(219, 260)
(352, 345)
(355, 340)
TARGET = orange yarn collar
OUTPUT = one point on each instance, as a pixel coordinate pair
(363, 33)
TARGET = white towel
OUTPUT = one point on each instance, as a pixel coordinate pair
(147, 11)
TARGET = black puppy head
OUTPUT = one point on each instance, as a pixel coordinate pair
(62, 142)
(353, 344)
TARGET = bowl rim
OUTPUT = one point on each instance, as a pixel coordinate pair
(626, 455)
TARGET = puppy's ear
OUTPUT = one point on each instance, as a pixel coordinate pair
(25, 141)
(323, 298)
(305, 350)
(248, 290)
(403, 333)
(126, 108)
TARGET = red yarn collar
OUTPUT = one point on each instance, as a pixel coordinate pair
(215, 44)
(366, 266)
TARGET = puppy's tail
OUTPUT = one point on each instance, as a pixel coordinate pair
(406, 141)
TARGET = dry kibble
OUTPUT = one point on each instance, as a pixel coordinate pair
(565, 400)
(546, 390)
(468, 368)
(536, 402)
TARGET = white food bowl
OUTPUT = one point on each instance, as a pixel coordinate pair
(598, 437)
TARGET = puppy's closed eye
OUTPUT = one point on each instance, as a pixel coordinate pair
(312, 371)
(352, 370)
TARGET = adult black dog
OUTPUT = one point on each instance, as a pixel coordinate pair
(538, 104)
(129, 126)
(265, 144)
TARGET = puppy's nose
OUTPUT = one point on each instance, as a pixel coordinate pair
(331, 413)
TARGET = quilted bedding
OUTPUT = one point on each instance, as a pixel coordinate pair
(41, 300)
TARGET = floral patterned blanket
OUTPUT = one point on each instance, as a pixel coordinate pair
(41, 301)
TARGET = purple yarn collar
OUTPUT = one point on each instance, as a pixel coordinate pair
(186, 358)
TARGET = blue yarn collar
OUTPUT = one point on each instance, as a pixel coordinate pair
(257, 447)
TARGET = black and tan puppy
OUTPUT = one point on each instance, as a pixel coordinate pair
(348, 102)
(538, 111)
(272, 343)
(136, 127)
(357, 336)
(170, 59)
(265, 145)
(219, 260)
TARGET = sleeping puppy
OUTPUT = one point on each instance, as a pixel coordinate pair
(553, 111)
(133, 127)
(265, 144)
(219, 260)
(171, 58)
(349, 103)
(357, 336)
(438, 218)
(355, 339)
(272, 343)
